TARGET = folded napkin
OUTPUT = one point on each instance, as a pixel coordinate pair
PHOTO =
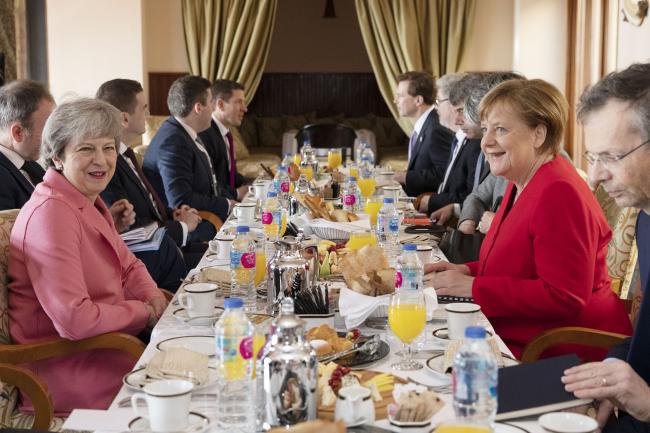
(355, 308)
(362, 223)
(454, 346)
(179, 363)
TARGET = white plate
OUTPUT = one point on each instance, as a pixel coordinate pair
(407, 424)
(565, 422)
(443, 334)
(182, 316)
(436, 363)
(204, 344)
(137, 379)
(195, 424)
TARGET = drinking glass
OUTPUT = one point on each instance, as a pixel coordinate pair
(372, 207)
(353, 170)
(297, 158)
(406, 318)
(367, 184)
(334, 158)
(361, 238)
(308, 171)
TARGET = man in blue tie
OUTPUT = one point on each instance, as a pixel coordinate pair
(616, 115)
(430, 142)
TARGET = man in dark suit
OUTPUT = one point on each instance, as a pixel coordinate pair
(183, 225)
(177, 163)
(430, 142)
(614, 113)
(230, 107)
(24, 107)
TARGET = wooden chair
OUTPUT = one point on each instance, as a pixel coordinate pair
(211, 217)
(14, 377)
(570, 335)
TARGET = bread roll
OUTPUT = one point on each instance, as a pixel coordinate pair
(339, 215)
(352, 216)
(321, 347)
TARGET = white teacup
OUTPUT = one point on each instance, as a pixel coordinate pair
(199, 299)
(392, 191)
(259, 189)
(168, 403)
(244, 212)
(386, 176)
(424, 253)
(221, 246)
(459, 316)
(354, 406)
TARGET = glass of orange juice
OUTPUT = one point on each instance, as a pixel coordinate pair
(260, 333)
(308, 171)
(297, 158)
(353, 171)
(460, 427)
(334, 158)
(372, 207)
(367, 186)
(260, 264)
(406, 318)
(361, 238)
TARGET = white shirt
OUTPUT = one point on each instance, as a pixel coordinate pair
(461, 138)
(123, 148)
(223, 130)
(417, 128)
(16, 160)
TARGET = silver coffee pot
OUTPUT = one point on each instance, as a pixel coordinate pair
(290, 370)
(293, 267)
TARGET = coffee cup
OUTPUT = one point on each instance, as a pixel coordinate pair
(424, 253)
(259, 189)
(460, 315)
(386, 176)
(221, 246)
(392, 191)
(198, 299)
(244, 212)
(354, 406)
(168, 404)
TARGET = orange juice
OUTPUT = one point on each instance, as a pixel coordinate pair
(361, 239)
(372, 208)
(354, 171)
(367, 186)
(308, 172)
(283, 225)
(407, 321)
(260, 266)
(258, 343)
(334, 159)
(297, 158)
(462, 428)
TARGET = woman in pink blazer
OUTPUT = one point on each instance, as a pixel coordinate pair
(542, 264)
(71, 275)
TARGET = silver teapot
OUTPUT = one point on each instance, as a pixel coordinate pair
(290, 370)
(293, 267)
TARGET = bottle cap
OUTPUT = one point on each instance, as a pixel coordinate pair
(352, 179)
(389, 200)
(233, 303)
(282, 168)
(271, 194)
(243, 229)
(410, 247)
(475, 332)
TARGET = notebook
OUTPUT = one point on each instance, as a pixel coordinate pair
(535, 388)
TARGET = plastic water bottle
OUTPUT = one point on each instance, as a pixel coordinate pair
(475, 379)
(365, 168)
(236, 390)
(366, 152)
(410, 271)
(271, 216)
(388, 228)
(281, 185)
(288, 159)
(242, 267)
(351, 195)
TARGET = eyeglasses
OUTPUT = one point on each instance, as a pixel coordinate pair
(440, 101)
(606, 159)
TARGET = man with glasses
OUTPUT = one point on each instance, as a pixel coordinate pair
(430, 142)
(616, 115)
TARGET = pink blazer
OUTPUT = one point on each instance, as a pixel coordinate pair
(73, 277)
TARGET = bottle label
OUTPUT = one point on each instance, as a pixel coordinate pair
(267, 217)
(231, 356)
(284, 186)
(398, 279)
(349, 200)
(410, 280)
(246, 348)
(393, 225)
(248, 260)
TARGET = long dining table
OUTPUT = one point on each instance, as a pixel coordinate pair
(204, 401)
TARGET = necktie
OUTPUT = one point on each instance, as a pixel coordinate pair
(231, 152)
(479, 169)
(412, 144)
(159, 207)
(34, 171)
(450, 163)
(201, 146)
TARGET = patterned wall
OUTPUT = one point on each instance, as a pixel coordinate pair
(8, 38)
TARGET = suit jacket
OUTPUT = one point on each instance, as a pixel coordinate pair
(461, 177)
(543, 263)
(180, 172)
(483, 199)
(16, 189)
(77, 281)
(428, 163)
(217, 148)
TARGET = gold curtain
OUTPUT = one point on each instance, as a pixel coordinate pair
(591, 54)
(407, 35)
(229, 39)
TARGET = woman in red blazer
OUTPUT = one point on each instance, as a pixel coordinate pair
(542, 264)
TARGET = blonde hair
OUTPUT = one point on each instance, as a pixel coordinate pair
(536, 102)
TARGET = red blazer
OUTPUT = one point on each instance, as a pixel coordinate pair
(542, 264)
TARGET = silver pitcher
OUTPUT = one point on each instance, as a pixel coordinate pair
(294, 266)
(290, 370)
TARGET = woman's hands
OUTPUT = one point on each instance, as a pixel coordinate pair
(449, 279)
(156, 307)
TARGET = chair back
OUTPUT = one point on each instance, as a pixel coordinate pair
(328, 135)
(7, 220)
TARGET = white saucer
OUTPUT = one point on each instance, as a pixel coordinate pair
(197, 343)
(137, 379)
(443, 334)
(182, 316)
(195, 424)
(408, 424)
(566, 422)
(437, 362)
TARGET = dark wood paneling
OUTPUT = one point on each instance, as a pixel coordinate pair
(328, 94)
(159, 84)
